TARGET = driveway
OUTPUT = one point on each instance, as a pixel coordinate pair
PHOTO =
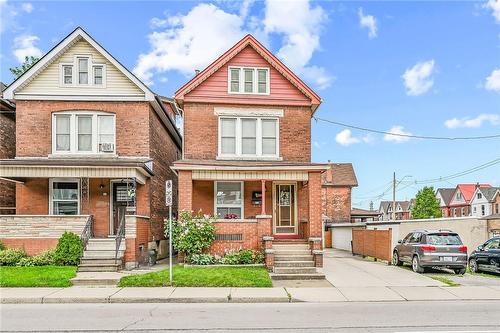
(343, 269)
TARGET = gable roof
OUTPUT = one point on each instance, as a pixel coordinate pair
(446, 194)
(339, 174)
(487, 192)
(364, 212)
(468, 190)
(249, 40)
(75, 36)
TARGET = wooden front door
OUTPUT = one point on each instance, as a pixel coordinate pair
(285, 209)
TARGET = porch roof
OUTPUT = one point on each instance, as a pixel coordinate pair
(19, 169)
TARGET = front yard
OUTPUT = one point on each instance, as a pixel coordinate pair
(41, 276)
(202, 277)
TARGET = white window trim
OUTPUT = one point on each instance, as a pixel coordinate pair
(242, 206)
(51, 194)
(242, 80)
(75, 73)
(73, 142)
(238, 154)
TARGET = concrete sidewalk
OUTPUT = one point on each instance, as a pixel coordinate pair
(244, 295)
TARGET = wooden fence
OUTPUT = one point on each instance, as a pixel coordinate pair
(373, 243)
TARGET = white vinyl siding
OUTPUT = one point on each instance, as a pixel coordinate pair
(83, 132)
(228, 199)
(50, 81)
(248, 137)
(248, 80)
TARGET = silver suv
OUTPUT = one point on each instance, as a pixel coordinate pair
(431, 248)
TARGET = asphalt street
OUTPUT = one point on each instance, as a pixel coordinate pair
(437, 316)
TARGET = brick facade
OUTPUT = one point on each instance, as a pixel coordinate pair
(7, 150)
(336, 203)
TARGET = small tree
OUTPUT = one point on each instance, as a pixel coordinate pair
(426, 205)
(29, 61)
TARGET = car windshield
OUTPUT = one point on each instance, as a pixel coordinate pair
(444, 239)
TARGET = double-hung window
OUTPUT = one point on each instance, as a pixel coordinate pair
(248, 80)
(248, 137)
(65, 197)
(229, 199)
(67, 74)
(83, 70)
(81, 132)
(98, 75)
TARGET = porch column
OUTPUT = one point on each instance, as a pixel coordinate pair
(263, 202)
(315, 218)
(185, 182)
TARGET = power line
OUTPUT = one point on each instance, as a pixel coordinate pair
(409, 135)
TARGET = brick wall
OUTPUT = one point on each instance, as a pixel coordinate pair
(336, 203)
(315, 218)
(32, 197)
(164, 152)
(137, 236)
(99, 205)
(34, 124)
(185, 190)
(201, 126)
(251, 239)
(31, 246)
(7, 150)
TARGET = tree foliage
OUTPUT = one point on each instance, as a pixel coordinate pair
(29, 61)
(426, 205)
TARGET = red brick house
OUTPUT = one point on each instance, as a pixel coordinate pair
(460, 203)
(336, 187)
(94, 147)
(7, 150)
(247, 153)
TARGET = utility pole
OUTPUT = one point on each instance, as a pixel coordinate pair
(394, 196)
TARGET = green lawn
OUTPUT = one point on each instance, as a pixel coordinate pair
(41, 276)
(202, 277)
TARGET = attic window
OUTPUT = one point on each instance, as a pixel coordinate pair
(248, 80)
(82, 72)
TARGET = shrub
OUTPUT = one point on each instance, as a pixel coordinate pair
(10, 257)
(259, 257)
(192, 234)
(42, 259)
(245, 257)
(69, 249)
(201, 259)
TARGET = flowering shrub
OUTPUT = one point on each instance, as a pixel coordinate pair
(42, 259)
(192, 234)
(242, 257)
(201, 259)
(10, 257)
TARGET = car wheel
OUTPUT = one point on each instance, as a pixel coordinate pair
(415, 265)
(460, 271)
(473, 266)
(395, 259)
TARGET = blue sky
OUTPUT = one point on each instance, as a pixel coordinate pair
(425, 68)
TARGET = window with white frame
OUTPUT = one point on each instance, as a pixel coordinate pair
(248, 80)
(229, 199)
(83, 72)
(82, 132)
(248, 137)
(65, 197)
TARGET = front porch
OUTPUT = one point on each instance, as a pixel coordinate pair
(258, 206)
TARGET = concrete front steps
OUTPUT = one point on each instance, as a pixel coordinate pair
(99, 256)
(293, 261)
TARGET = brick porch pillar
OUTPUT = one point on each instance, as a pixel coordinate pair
(315, 224)
(185, 182)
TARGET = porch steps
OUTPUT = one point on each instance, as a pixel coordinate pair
(293, 260)
(99, 256)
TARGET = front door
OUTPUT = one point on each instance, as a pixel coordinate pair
(123, 201)
(285, 209)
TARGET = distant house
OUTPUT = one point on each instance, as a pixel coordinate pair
(364, 215)
(336, 186)
(484, 201)
(403, 210)
(462, 196)
(444, 195)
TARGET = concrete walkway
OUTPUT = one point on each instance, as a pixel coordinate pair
(245, 295)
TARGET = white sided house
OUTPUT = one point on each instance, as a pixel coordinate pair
(482, 201)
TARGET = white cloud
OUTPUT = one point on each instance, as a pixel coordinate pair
(24, 46)
(397, 138)
(27, 7)
(493, 119)
(345, 138)
(300, 24)
(417, 79)
(493, 81)
(191, 41)
(369, 22)
(494, 5)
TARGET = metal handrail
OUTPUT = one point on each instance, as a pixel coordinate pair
(120, 233)
(87, 232)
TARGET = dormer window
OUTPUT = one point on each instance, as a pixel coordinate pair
(248, 80)
(83, 72)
